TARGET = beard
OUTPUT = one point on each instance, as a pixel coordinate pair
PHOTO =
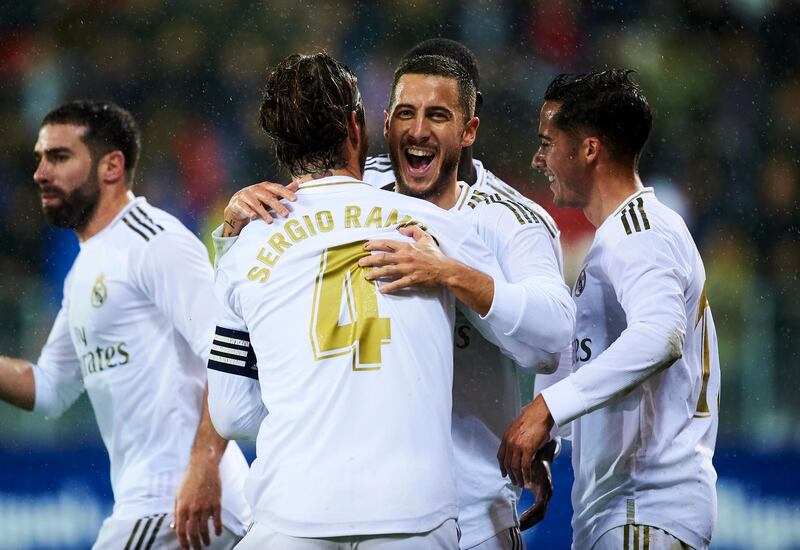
(448, 167)
(76, 207)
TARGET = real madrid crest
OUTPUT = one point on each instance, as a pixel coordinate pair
(99, 291)
(580, 283)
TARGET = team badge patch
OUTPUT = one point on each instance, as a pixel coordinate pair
(580, 283)
(99, 291)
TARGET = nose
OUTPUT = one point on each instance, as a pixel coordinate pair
(42, 173)
(537, 162)
(420, 129)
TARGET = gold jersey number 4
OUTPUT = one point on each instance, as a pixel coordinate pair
(344, 316)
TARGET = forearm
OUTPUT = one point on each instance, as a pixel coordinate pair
(17, 386)
(472, 287)
(208, 444)
(639, 352)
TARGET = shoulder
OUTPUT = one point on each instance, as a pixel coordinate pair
(500, 209)
(378, 172)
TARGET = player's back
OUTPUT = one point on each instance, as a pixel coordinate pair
(357, 383)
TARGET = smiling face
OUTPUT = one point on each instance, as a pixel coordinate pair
(426, 131)
(559, 158)
(66, 176)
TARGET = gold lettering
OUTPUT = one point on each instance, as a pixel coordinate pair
(325, 221)
(392, 219)
(351, 214)
(375, 218)
(407, 220)
(295, 231)
(279, 243)
(266, 257)
(309, 225)
(261, 273)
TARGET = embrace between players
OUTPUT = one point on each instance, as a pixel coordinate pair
(334, 346)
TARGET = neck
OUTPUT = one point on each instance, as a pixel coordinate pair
(466, 170)
(347, 171)
(107, 209)
(448, 197)
(609, 190)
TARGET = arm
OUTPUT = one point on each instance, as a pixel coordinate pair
(176, 297)
(16, 383)
(532, 316)
(200, 493)
(256, 201)
(50, 385)
(648, 281)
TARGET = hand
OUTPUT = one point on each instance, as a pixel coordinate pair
(529, 431)
(199, 499)
(541, 485)
(253, 202)
(420, 263)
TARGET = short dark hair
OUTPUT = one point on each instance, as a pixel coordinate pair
(305, 110)
(437, 65)
(109, 128)
(606, 102)
(450, 49)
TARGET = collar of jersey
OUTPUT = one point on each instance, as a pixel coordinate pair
(629, 199)
(112, 223)
(464, 194)
(329, 181)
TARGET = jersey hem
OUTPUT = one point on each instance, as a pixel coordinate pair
(291, 528)
(593, 534)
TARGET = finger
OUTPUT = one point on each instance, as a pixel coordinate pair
(413, 231)
(180, 528)
(394, 286)
(378, 260)
(218, 520)
(273, 202)
(277, 190)
(383, 245)
(501, 457)
(527, 467)
(202, 524)
(258, 208)
(516, 467)
(193, 531)
(387, 273)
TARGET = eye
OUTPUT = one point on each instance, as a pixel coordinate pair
(404, 113)
(439, 117)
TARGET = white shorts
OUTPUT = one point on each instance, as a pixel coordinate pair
(151, 533)
(638, 537)
(444, 537)
(510, 539)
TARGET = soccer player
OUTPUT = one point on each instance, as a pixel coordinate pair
(347, 388)
(132, 333)
(642, 397)
(425, 116)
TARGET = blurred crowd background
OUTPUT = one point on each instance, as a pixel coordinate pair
(722, 78)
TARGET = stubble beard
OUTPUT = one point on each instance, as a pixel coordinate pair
(448, 168)
(77, 207)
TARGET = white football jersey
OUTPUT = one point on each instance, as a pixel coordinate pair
(357, 384)
(132, 332)
(643, 397)
(486, 393)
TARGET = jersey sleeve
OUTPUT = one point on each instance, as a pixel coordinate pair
(234, 393)
(174, 272)
(649, 282)
(57, 373)
(221, 244)
(533, 312)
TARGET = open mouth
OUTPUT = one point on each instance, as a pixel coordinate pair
(419, 160)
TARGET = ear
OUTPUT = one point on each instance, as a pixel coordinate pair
(478, 103)
(470, 132)
(386, 125)
(111, 168)
(591, 149)
(353, 133)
